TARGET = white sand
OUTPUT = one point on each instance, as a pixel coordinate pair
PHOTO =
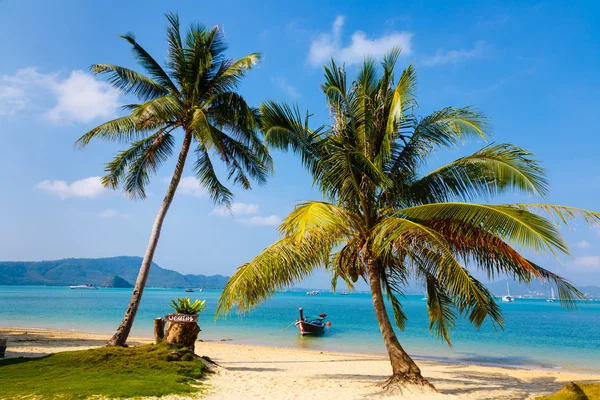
(256, 372)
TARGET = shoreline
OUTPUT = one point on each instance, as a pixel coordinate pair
(280, 373)
(421, 358)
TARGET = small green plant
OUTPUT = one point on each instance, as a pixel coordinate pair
(185, 306)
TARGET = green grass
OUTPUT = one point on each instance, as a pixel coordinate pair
(577, 391)
(113, 372)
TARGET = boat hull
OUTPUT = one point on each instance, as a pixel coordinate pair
(307, 328)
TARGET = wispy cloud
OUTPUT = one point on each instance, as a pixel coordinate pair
(190, 186)
(235, 210)
(77, 98)
(110, 214)
(328, 45)
(455, 56)
(83, 188)
(584, 244)
(285, 86)
(586, 263)
(238, 210)
(271, 220)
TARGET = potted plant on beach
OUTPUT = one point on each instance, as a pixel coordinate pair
(183, 328)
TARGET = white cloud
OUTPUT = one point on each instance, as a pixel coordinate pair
(190, 186)
(586, 263)
(239, 209)
(455, 56)
(235, 210)
(12, 99)
(260, 220)
(78, 98)
(109, 214)
(584, 244)
(285, 86)
(328, 45)
(106, 214)
(83, 188)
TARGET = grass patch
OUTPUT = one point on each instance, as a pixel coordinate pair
(575, 391)
(113, 372)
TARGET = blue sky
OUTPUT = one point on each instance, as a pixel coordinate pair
(531, 67)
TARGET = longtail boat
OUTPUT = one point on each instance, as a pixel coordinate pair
(311, 326)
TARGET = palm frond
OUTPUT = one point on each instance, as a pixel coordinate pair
(309, 215)
(131, 82)
(151, 153)
(518, 226)
(280, 265)
(150, 65)
(488, 172)
(469, 295)
(561, 214)
(439, 308)
(207, 176)
(123, 130)
(445, 128)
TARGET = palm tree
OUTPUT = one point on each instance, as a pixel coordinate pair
(195, 95)
(388, 223)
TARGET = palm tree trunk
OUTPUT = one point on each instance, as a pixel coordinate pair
(120, 336)
(404, 370)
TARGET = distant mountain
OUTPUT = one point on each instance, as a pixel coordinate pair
(77, 271)
(116, 281)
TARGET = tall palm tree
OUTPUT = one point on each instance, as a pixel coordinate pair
(194, 96)
(388, 223)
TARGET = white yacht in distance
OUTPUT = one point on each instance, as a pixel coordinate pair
(507, 298)
(88, 286)
(552, 298)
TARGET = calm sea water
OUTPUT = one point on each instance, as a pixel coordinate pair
(536, 333)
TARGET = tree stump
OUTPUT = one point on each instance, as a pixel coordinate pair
(159, 330)
(183, 333)
(2, 347)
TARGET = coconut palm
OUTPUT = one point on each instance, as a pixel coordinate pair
(388, 223)
(194, 97)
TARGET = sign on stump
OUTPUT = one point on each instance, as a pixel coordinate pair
(181, 318)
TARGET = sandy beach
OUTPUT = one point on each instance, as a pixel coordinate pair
(257, 372)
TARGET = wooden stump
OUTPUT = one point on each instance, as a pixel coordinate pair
(159, 330)
(184, 334)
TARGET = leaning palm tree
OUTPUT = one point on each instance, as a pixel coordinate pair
(194, 96)
(389, 224)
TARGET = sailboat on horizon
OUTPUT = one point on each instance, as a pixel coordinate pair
(552, 298)
(507, 297)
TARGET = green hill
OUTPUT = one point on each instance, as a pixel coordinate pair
(77, 271)
(116, 281)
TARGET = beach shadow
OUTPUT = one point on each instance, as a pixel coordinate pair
(249, 369)
(472, 382)
(359, 377)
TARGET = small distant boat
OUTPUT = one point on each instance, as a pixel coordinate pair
(425, 296)
(344, 293)
(310, 326)
(314, 293)
(200, 289)
(87, 286)
(507, 297)
(189, 290)
(552, 298)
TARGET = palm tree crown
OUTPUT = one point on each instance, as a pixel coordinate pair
(195, 92)
(387, 222)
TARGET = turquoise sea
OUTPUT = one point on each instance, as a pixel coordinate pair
(536, 333)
